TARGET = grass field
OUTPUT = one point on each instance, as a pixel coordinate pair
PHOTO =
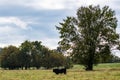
(101, 72)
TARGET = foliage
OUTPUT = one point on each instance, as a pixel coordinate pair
(60, 60)
(25, 54)
(55, 60)
(114, 59)
(31, 54)
(90, 35)
(9, 57)
(68, 63)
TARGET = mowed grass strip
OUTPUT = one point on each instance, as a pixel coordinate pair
(101, 72)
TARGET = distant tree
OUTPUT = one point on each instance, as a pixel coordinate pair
(9, 57)
(56, 60)
(106, 59)
(0, 49)
(36, 54)
(90, 35)
(66, 60)
(45, 57)
(25, 54)
(114, 59)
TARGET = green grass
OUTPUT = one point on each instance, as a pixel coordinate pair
(101, 72)
(110, 65)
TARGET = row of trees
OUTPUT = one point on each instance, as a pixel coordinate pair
(32, 54)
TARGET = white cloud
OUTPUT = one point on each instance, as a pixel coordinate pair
(59, 4)
(13, 20)
(56, 4)
(50, 42)
(11, 29)
(5, 29)
(15, 40)
(46, 4)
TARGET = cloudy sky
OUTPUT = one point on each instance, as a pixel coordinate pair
(22, 20)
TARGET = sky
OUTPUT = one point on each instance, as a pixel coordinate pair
(32, 20)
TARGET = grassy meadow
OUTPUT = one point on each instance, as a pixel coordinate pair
(101, 72)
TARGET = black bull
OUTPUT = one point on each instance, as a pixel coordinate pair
(60, 71)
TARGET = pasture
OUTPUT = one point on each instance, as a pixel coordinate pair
(101, 72)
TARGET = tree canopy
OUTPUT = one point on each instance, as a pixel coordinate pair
(90, 35)
(31, 54)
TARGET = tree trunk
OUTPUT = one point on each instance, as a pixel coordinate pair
(91, 58)
(26, 67)
(89, 67)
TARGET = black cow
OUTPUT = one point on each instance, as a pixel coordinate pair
(60, 71)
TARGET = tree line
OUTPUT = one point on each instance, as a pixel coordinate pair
(32, 55)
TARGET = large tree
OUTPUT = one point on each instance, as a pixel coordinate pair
(90, 35)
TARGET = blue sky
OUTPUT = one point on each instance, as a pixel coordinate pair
(22, 20)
